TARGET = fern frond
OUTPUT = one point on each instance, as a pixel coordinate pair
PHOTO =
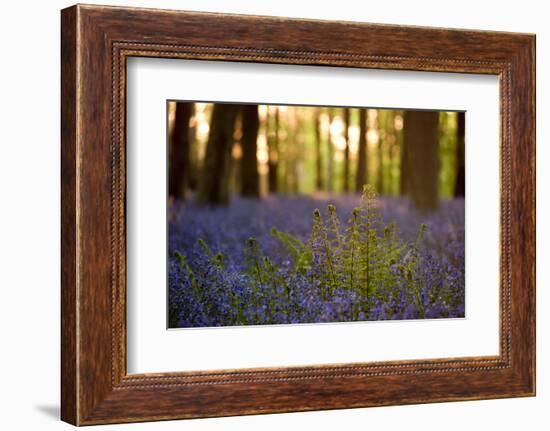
(254, 267)
(322, 255)
(182, 260)
(352, 245)
(299, 252)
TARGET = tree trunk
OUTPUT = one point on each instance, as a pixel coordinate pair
(291, 153)
(250, 180)
(394, 161)
(330, 154)
(179, 152)
(214, 177)
(361, 177)
(297, 153)
(460, 184)
(381, 138)
(236, 157)
(390, 146)
(421, 138)
(273, 152)
(404, 165)
(318, 158)
(194, 165)
(346, 150)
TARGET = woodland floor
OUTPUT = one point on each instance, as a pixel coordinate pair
(227, 268)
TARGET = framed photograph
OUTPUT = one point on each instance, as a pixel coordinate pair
(264, 215)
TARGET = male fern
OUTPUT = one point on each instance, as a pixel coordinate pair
(364, 256)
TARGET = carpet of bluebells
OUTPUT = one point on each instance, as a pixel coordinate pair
(309, 259)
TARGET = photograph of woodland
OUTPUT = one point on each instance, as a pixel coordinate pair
(284, 214)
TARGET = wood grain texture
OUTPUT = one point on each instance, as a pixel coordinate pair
(69, 366)
(96, 41)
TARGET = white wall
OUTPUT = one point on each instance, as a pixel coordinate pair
(29, 215)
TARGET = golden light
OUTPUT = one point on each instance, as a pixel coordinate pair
(237, 151)
(372, 137)
(262, 111)
(262, 156)
(282, 108)
(339, 157)
(340, 143)
(238, 134)
(200, 117)
(171, 111)
(398, 122)
(201, 149)
(203, 129)
(261, 142)
(337, 126)
(372, 116)
(291, 116)
(263, 169)
(200, 107)
(261, 152)
(353, 133)
(353, 147)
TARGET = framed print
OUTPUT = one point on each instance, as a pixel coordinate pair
(264, 217)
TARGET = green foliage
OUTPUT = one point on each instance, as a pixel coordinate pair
(322, 256)
(298, 251)
(185, 265)
(253, 260)
(218, 259)
(261, 270)
(364, 255)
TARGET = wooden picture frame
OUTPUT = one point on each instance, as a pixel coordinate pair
(96, 41)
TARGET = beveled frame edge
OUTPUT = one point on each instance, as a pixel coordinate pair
(96, 41)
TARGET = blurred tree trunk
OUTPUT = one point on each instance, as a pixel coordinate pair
(390, 146)
(381, 138)
(346, 150)
(250, 181)
(193, 178)
(236, 157)
(400, 163)
(318, 158)
(291, 145)
(273, 152)
(460, 185)
(403, 171)
(421, 138)
(361, 178)
(179, 152)
(297, 152)
(394, 155)
(214, 176)
(330, 153)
